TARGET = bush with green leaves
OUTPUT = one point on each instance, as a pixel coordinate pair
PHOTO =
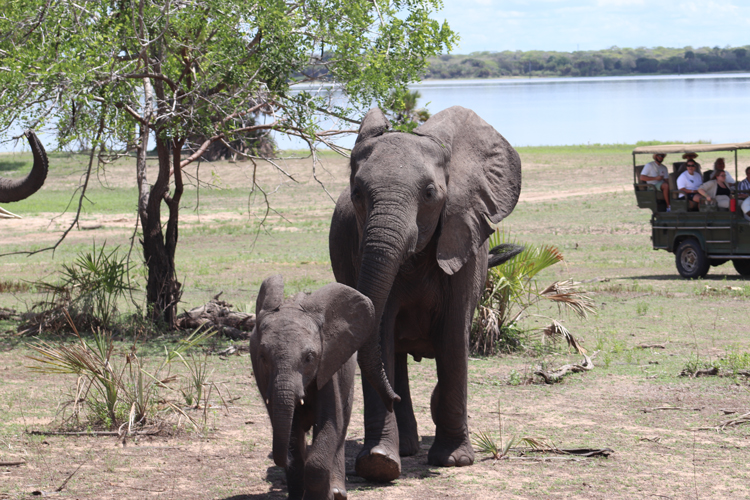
(511, 289)
(89, 290)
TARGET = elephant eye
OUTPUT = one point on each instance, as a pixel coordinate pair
(430, 192)
(310, 357)
(356, 196)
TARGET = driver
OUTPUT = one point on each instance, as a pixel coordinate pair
(656, 173)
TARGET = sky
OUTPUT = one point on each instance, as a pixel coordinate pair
(560, 25)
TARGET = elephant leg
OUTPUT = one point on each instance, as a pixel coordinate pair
(338, 474)
(452, 446)
(379, 458)
(295, 469)
(408, 435)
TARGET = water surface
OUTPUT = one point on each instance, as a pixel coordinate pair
(560, 111)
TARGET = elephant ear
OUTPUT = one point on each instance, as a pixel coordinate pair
(484, 182)
(347, 317)
(271, 294)
(261, 378)
(373, 124)
(270, 297)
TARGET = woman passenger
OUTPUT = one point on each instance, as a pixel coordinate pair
(717, 189)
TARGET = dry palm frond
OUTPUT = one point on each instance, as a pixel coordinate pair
(556, 330)
(568, 294)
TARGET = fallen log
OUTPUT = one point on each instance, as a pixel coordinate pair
(651, 346)
(707, 372)
(218, 314)
(659, 408)
(551, 377)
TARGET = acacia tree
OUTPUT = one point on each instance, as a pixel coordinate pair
(115, 75)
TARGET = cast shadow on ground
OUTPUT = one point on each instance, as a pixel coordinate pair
(11, 166)
(714, 275)
(411, 467)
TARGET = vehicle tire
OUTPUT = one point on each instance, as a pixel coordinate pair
(691, 260)
(742, 266)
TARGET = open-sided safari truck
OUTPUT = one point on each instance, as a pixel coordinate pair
(699, 239)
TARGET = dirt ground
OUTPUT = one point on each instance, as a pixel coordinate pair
(664, 430)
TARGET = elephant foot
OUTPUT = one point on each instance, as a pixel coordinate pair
(339, 493)
(408, 444)
(377, 464)
(451, 453)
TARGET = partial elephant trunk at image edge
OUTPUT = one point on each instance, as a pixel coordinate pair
(12, 190)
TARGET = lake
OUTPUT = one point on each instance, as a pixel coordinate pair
(606, 110)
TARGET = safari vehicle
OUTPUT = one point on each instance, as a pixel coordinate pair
(699, 239)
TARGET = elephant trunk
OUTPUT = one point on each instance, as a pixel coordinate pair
(283, 404)
(384, 249)
(19, 189)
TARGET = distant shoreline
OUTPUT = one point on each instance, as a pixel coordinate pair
(608, 62)
(726, 74)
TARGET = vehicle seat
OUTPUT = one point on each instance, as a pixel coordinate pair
(678, 204)
(674, 193)
(707, 175)
(643, 185)
(637, 170)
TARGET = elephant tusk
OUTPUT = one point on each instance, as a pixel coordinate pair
(301, 402)
(267, 401)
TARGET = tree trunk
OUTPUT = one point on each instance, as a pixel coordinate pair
(163, 291)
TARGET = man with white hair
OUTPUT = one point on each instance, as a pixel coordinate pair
(656, 173)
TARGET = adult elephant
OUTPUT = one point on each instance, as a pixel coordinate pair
(19, 189)
(410, 232)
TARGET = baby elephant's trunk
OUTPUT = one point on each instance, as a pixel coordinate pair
(283, 414)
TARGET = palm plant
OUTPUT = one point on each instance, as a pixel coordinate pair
(511, 289)
(118, 390)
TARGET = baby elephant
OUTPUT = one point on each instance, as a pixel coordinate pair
(302, 351)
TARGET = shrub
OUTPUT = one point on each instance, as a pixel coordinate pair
(511, 289)
(88, 292)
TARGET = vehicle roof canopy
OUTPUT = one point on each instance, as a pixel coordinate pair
(690, 148)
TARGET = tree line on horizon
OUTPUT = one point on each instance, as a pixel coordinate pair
(614, 61)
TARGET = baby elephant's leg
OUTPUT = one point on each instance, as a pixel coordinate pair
(325, 468)
(295, 468)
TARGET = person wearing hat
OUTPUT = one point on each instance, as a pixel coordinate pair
(656, 174)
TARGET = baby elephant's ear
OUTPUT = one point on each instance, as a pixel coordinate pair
(348, 318)
(271, 294)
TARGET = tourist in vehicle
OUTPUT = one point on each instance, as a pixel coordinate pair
(692, 156)
(745, 207)
(717, 189)
(719, 166)
(744, 186)
(656, 173)
(689, 182)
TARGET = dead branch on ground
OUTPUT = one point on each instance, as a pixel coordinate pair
(219, 315)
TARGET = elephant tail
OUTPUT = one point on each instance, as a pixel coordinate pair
(503, 253)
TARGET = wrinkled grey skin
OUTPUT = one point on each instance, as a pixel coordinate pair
(411, 234)
(19, 189)
(302, 352)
